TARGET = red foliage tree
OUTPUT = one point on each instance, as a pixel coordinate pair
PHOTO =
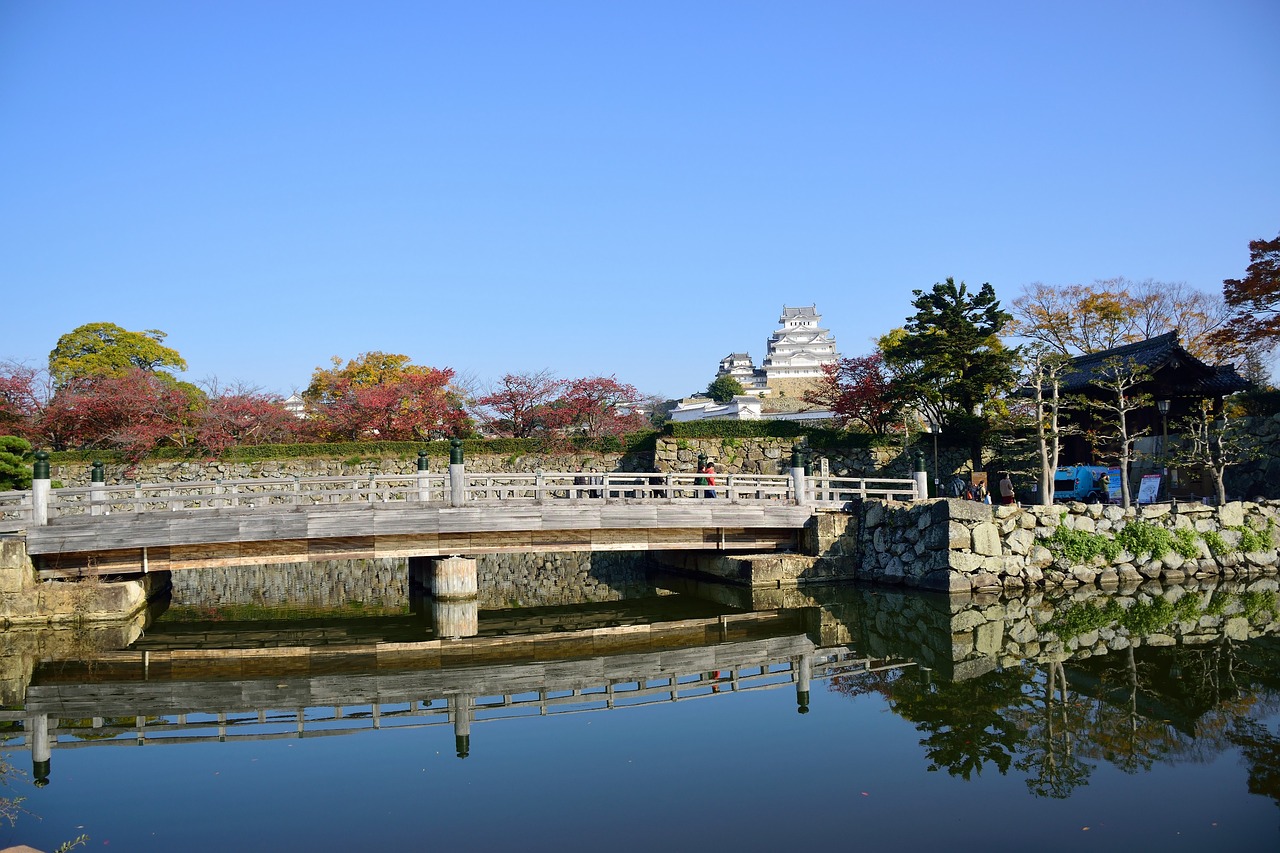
(406, 407)
(858, 390)
(23, 392)
(520, 405)
(134, 412)
(595, 406)
(1255, 299)
(242, 416)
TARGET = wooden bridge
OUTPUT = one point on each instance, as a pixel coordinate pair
(102, 530)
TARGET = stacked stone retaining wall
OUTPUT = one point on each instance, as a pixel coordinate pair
(960, 546)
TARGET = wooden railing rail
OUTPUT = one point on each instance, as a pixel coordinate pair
(16, 507)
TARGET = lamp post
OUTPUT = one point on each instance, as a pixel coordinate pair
(1163, 406)
(933, 428)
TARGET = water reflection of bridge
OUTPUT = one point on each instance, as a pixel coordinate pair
(201, 696)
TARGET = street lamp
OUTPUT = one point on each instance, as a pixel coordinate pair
(1163, 407)
(937, 481)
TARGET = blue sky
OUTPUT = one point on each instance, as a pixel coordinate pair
(606, 188)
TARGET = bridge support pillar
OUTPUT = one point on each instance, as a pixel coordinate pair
(453, 585)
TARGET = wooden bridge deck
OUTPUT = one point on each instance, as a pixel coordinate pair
(81, 545)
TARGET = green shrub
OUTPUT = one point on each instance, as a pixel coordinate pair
(1217, 545)
(1141, 537)
(15, 470)
(1079, 546)
(1255, 540)
(1186, 543)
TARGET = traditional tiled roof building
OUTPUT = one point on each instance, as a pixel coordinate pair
(794, 357)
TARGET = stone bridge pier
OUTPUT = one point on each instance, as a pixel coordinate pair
(454, 587)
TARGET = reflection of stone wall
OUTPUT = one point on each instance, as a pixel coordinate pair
(962, 636)
(957, 545)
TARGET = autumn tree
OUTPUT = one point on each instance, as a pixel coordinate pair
(596, 406)
(134, 412)
(384, 396)
(105, 349)
(1255, 299)
(1075, 319)
(949, 360)
(858, 390)
(242, 415)
(518, 405)
(724, 388)
(23, 393)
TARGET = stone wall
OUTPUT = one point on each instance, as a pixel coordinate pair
(1258, 476)
(77, 474)
(505, 581)
(773, 456)
(959, 546)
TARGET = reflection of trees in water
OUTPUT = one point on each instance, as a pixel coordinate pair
(965, 722)
(1056, 722)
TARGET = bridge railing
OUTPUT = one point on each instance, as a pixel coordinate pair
(659, 486)
(835, 492)
(838, 491)
(15, 510)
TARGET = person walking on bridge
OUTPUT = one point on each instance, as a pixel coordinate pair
(710, 472)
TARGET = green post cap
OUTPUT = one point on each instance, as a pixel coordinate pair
(802, 701)
(797, 456)
(98, 473)
(40, 470)
(422, 460)
(702, 460)
(455, 451)
(463, 745)
(919, 461)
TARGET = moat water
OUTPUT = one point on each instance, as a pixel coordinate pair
(327, 708)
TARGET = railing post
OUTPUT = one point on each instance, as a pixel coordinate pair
(40, 489)
(539, 484)
(921, 478)
(97, 488)
(297, 490)
(797, 477)
(457, 474)
(424, 483)
(137, 497)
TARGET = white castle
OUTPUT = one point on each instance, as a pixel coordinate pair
(794, 358)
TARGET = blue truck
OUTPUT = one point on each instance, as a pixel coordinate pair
(1088, 483)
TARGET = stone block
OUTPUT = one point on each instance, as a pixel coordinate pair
(986, 540)
(1231, 514)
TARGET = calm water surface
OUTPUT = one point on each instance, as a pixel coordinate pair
(662, 714)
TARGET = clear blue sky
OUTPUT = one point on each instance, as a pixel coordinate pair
(629, 188)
